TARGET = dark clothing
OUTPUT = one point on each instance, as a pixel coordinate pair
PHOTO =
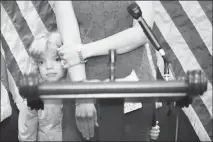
(97, 20)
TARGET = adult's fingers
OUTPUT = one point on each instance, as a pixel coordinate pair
(79, 119)
(60, 54)
(95, 119)
(154, 132)
(62, 47)
(154, 137)
(63, 62)
(156, 128)
(85, 128)
(78, 124)
(81, 125)
(91, 124)
(66, 66)
(158, 104)
(61, 51)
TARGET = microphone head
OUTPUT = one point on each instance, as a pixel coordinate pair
(134, 10)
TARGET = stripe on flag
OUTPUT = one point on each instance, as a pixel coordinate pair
(184, 55)
(13, 40)
(12, 87)
(6, 109)
(202, 24)
(11, 63)
(207, 8)
(178, 70)
(4, 78)
(46, 14)
(190, 35)
(52, 4)
(196, 124)
(181, 49)
(198, 105)
(30, 14)
(19, 22)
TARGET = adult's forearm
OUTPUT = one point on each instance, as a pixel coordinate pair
(126, 40)
(69, 29)
(123, 42)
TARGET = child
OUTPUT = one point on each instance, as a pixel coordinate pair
(44, 125)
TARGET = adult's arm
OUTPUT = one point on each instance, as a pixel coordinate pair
(126, 40)
(69, 29)
(86, 115)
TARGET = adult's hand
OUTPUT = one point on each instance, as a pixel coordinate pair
(69, 54)
(86, 116)
(155, 132)
(86, 119)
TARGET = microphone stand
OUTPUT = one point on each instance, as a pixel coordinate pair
(168, 70)
(135, 11)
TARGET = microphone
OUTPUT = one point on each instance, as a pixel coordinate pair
(135, 11)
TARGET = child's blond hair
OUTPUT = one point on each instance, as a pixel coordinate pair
(39, 46)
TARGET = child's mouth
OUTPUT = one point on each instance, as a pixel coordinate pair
(51, 74)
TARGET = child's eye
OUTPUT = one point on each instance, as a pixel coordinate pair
(40, 62)
(58, 59)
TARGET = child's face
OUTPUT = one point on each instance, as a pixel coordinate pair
(50, 67)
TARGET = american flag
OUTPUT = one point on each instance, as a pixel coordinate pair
(183, 28)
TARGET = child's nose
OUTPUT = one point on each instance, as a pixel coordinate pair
(49, 65)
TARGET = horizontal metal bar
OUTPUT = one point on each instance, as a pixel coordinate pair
(131, 96)
(113, 87)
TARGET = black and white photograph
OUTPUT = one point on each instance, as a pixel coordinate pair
(106, 70)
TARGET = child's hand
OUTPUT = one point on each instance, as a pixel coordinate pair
(154, 133)
(158, 104)
(27, 89)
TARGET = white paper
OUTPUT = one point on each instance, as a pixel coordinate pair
(129, 107)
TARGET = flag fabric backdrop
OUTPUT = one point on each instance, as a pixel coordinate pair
(183, 28)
